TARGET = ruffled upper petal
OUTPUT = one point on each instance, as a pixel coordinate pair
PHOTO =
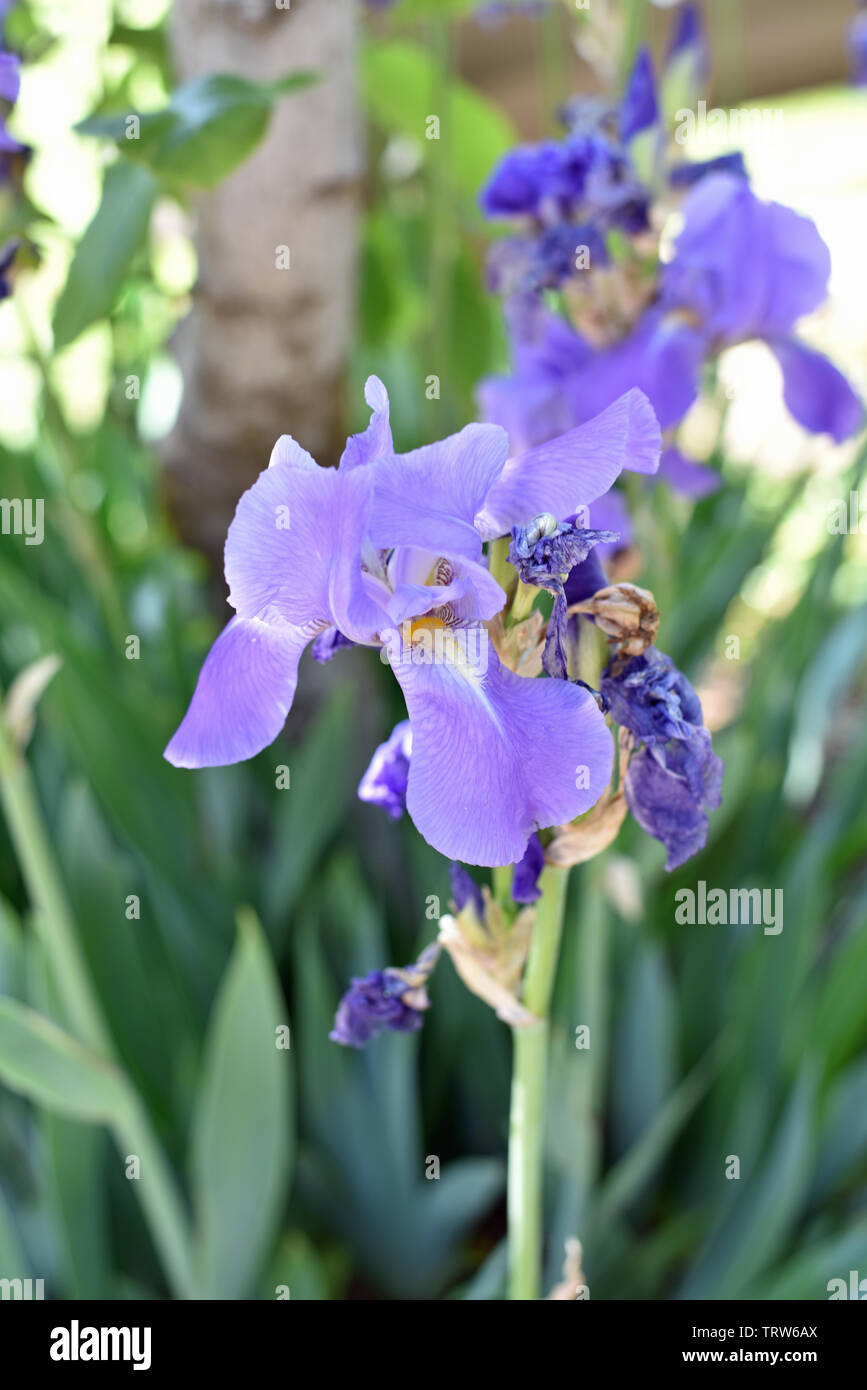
(496, 756)
(243, 694)
(746, 268)
(375, 442)
(294, 547)
(430, 497)
(574, 469)
(816, 392)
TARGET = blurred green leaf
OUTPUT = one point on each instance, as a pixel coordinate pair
(807, 1274)
(297, 1266)
(209, 127)
(840, 1024)
(766, 1208)
(832, 669)
(402, 88)
(308, 813)
(75, 1154)
(14, 1263)
(240, 1144)
(628, 1177)
(366, 1176)
(489, 1282)
(51, 1068)
(102, 259)
(843, 1136)
(644, 1053)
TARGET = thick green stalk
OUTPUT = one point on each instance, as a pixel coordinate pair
(529, 1071)
(54, 921)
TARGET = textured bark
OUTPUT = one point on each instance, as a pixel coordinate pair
(263, 350)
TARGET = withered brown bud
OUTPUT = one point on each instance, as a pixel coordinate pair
(627, 615)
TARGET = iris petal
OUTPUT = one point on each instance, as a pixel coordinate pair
(243, 694)
(496, 756)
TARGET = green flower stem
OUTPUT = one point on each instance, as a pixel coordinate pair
(498, 561)
(54, 921)
(529, 1069)
(522, 604)
(502, 883)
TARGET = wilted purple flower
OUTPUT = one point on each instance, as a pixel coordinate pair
(389, 549)
(393, 999)
(651, 698)
(544, 554)
(384, 782)
(525, 883)
(674, 779)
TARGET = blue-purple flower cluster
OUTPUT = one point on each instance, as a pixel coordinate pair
(588, 213)
(386, 550)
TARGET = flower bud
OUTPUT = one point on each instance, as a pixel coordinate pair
(627, 615)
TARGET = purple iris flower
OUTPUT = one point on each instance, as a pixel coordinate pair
(524, 181)
(10, 76)
(689, 43)
(385, 781)
(586, 178)
(374, 1002)
(742, 269)
(465, 890)
(560, 378)
(688, 174)
(388, 548)
(639, 108)
(525, 882)
(393, 999)
(747, 270)
(675, 777)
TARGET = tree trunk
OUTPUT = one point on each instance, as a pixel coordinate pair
(263, 350)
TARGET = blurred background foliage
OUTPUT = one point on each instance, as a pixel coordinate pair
(306, 1167)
